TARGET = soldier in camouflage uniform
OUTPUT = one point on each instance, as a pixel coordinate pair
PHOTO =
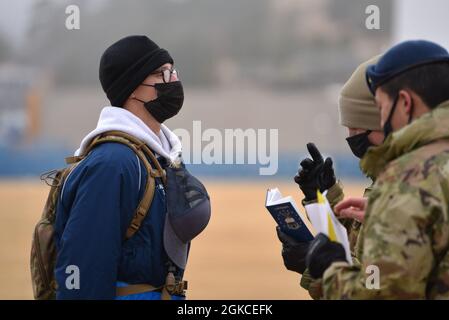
(358, 112)
(406, 225)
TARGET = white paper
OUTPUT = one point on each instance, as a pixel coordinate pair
(318, 215)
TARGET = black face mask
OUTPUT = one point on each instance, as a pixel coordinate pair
(170, 97)
(359, 143)
(387, 125)
(388, 128)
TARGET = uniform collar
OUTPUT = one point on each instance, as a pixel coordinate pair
(429, 127)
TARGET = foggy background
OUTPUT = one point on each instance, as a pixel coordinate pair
(260, 64)
(248, 64)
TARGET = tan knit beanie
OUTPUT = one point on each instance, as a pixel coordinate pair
(356, 104)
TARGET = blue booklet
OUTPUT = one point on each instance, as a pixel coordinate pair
(286, 214)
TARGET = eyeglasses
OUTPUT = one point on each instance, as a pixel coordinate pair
(167, 74)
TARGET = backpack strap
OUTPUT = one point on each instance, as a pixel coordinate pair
(159, 172)
(141, 150)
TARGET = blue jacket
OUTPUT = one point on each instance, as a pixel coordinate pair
(95, 208)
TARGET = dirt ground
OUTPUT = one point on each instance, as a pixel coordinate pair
(237, 257)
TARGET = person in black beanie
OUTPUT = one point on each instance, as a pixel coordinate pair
(119, 218)
(135, 71)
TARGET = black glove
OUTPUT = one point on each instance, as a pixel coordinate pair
(322, 253)
(293, 252)
(315, 174)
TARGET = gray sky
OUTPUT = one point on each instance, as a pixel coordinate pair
(413, 19)
(419, 19)
(14, 16)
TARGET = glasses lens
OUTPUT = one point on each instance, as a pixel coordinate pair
(167, 75)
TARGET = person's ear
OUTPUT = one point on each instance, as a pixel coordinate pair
(406, 101)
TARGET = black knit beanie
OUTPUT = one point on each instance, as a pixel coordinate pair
(126, 63)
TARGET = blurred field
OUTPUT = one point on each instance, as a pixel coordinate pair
(237, 257)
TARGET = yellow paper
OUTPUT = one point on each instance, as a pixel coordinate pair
(320, 197)
(331, 230)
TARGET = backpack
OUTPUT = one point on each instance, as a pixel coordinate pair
(43, 249)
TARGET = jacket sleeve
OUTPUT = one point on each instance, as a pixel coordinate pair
(397, 248)
(90, 245)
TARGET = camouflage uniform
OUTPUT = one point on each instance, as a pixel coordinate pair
(406, 226)
(334, 195)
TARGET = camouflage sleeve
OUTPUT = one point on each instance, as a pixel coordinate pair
(313, 286)
(397, 254)
(335, 194)
(368, 191)
(306, 279)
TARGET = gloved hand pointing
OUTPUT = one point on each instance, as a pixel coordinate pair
(315, 174)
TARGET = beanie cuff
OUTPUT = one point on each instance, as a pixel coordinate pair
(359, 114)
